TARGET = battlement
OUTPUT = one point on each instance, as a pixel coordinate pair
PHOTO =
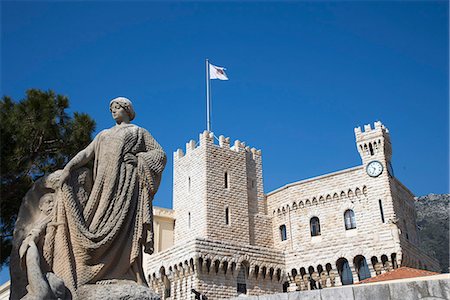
(207, 138)
(369, 132)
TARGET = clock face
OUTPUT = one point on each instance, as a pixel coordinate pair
(374, 168)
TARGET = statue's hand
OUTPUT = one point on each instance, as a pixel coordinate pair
(32, 237)
(130, 158)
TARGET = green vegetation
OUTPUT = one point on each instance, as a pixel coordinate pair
(37, 138)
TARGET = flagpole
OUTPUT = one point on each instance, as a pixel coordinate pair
(208, 113)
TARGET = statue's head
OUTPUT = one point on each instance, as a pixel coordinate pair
(122, 109)
(46, 203)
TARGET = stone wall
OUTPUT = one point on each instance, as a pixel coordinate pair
(431, 287)
(213, 268)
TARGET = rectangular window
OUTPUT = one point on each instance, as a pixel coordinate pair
(226, 180)
(283, 232)
(227, 216)
(381, 210)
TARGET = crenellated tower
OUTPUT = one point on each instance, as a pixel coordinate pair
(218, 192)
(374, 144)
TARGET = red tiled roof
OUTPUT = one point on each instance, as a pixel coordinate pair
(400, 273)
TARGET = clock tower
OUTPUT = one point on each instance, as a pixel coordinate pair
(374, 147)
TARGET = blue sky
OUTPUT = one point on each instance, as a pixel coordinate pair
(302, 76)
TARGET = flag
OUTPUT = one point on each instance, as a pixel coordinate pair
(217, 72)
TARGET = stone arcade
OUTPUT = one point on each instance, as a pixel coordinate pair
(225, 237)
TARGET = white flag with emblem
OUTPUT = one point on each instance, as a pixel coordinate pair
(217, 72)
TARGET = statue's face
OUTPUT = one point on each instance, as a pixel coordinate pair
(118, 113)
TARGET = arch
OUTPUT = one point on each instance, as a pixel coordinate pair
(361, 267)
(294, 273)
(216, 266)
(384, 259)
(225, 267)
(328, 198)
(358, 192)
(279, 211)
(271, 273)
(350, 193)
(307, 202)
(256, 271)
(371, 149)
(264, 271)
(394, 260)
(191, 264)
(301, 204)
(278, 274)
(374, 261)
(314, 201)
(319, 269)
(302, 271)
(321, 200)
(283, 210)
(349, 219)
(241, 280)
(328, 267)
(294, 206)
(343, 195)
(366, 149)
(208, 265)
(314, 225)
(364, 190)
(312, 282)
(335, 196)
(344, 270)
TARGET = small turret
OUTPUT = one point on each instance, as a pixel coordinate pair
(374, 143)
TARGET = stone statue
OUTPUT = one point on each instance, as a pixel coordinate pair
(81, 231)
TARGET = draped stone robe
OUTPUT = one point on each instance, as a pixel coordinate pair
(97, 235)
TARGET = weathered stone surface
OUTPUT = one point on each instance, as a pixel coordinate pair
(305, 295)
(374, 292)
(129, 291)
(339, 293)
(90, 222)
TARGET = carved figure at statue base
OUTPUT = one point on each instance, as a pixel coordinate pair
(81, 231)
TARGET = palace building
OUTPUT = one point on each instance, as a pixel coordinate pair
(226, 237)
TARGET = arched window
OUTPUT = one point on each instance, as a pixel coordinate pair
(361, 267)
(344, 271)
(371, 149)
(283, 234)
(315, 226)
(242, 280)
(350, 220)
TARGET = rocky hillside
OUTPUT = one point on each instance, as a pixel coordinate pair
(432, 220)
